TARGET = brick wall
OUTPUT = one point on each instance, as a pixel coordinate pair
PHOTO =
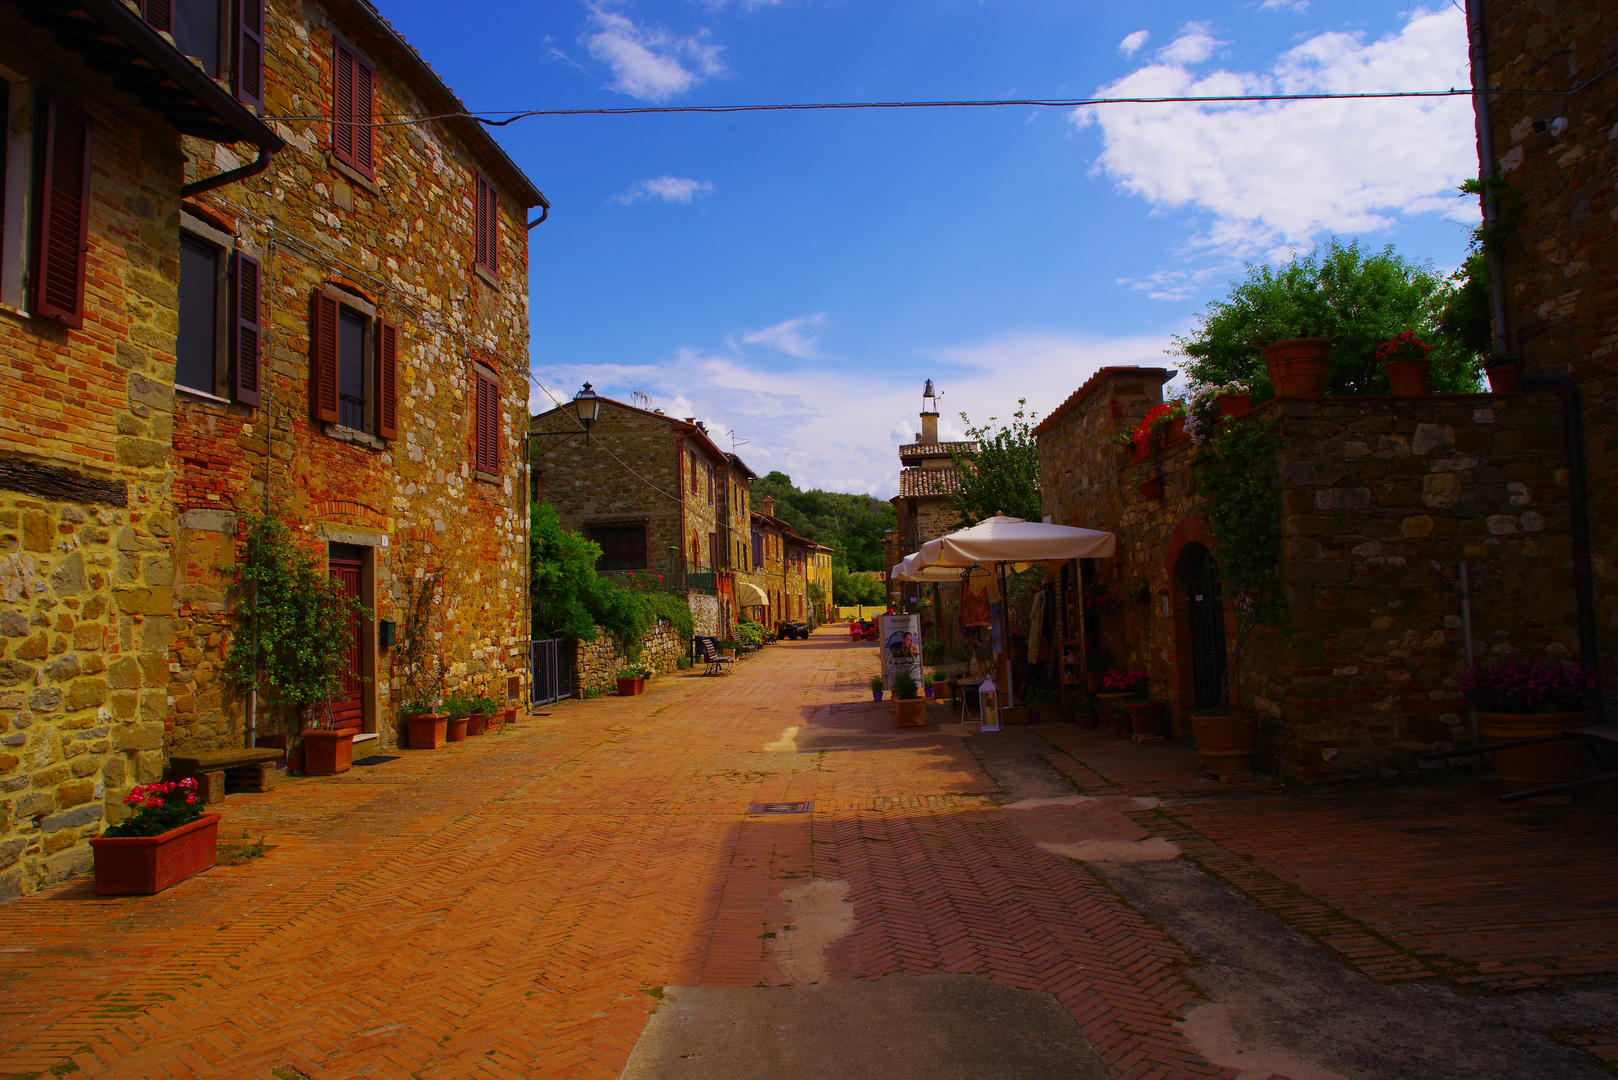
(86, 519)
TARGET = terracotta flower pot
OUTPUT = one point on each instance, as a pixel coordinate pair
(1110, 708)
(1086, 719)
(910, 712)
(1407, 378)
(1235, 404)
(1176, 431)
(456, 730)
(1524, 767)
(1298, 367)
(1145, 718)
(508, 715)
(631, 687)
(427, 730)
(142, 865)
(1504, 378)
(327, 753)
(477, 724)
(1225, 740)
(1151, 489)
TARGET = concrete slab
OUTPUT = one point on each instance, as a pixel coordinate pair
(903, 1027)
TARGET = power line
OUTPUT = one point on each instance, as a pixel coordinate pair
(574, 417)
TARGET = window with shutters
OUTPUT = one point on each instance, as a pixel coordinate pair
(485, 225)
(487, 425)
(16, 156)
(193, 24)
(352, 109)
(217, 343)
(64, 214)
(623, 547)
(354, 361)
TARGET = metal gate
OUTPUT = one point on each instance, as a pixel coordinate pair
(550, 665)
(1207, 615)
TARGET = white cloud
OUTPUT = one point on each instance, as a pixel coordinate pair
(649, 63)
(1194, 45)
(838, 425)
(1299, 6)
(1274, 175)
(795, 337)
(1131, 44)
(667, 189)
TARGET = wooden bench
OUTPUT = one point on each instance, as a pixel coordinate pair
(218, 770)
(718, 664)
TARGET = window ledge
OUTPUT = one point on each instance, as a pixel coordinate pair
(201, 395)
(487, 477)
(489, 279)
(353, 174)
(348, 434)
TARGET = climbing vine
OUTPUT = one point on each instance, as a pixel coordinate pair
(417, 654)
(1240, 500)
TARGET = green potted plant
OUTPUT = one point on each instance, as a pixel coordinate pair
(165, 839)
(457, 707)
(1038, 699)
(1289, 328)
(909, 707)
(1524, 698)
(487, 707)
(877, 686)
(1084, 709)
(1404, 361)
(631, 680)
(927, 685)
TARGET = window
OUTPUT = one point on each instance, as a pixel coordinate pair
(353, 84)
(249, 65)
(713, 551)
(487, 436)
(354, 368)
(64, 215)
(758, 548)
(485, 225)
(16, 168)
(217, 346)
(193, 24)
(623, 547)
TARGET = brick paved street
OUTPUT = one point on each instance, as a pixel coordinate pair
(512, 906)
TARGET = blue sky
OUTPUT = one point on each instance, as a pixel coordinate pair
(794, 277)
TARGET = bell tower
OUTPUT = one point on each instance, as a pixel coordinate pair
(929, 414)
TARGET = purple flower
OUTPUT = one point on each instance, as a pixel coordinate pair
(1525, 685)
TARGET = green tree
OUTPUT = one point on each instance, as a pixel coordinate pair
(851, 525)
(1337, 291)
(848, 589)
(1003, 476)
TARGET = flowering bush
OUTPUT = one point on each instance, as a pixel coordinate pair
(1525, 685)
(159, 808)
(1148, 435)
(1202, 409)
(1125, 682)
(1407, 346)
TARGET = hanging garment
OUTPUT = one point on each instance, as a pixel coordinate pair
(1036, 627)
(974, 608)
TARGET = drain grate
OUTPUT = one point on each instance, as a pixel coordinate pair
(780, 807)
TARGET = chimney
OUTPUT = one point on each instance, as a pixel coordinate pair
(767, 505)
(929, 415)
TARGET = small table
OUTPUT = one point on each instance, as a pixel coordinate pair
(968, 688)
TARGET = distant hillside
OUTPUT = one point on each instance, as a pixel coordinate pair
(850, 524)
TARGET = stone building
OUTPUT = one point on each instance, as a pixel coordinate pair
(353, 357)
(100, 111)
(1381, 499)
(1557, 222)
(820, 568)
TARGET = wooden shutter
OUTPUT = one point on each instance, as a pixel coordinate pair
(342, 101)
(323, 359)
(387, 381)
(364, 85)
(64, 215)
(159, 14)
(250, 52)
(247, 333)
(486, 224)
(488, 425)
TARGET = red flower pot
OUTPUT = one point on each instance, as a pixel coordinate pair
(1407, 378)
(1298, 366)
(1087, 720)
(476, 724)
(1151, 489)
(1145, 718)
(427, 730)
(1225, 739)
(327, 753)
(1525, 767)
(1175, 431)
(1504, 378)
(1235, 404)
(508, 715)
(456, 730)
(631, 687)
(142, 865)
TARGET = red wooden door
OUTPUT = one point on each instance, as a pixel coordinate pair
(347, 710)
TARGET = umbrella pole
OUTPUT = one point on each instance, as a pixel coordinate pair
(1005, 635)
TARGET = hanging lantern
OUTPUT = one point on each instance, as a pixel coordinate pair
(989, 705)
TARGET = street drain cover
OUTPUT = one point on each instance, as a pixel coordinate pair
(376, 759)
(780, 807)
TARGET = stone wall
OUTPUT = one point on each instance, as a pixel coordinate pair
(1380, 500)
(705, 614)
(1561, 291)
(86, 511)
(401, 244)
(597, 663)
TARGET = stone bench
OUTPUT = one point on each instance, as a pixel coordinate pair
(236, 770)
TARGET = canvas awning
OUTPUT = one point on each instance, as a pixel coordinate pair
(911, 569)
(750, 595)
(1002, 539)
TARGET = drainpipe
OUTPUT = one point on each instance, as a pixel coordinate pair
(1488, 169)
(252, 168)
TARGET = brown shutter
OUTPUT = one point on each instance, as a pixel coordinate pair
(158, 14)
(323, 359)
(487, 224)
(488, 425)
(64, 215)
(480, 228)
(250, 52)
(342, 102)
(363, 88)
(246, 332)
(387, 381)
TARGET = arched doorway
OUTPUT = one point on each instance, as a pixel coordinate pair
(1205, 610)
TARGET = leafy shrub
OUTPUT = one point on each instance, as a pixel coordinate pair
(159, 808)
(485, 706)
(683, 663)
(904, 686)
(877, 685)
(459, 706)
(750, 633)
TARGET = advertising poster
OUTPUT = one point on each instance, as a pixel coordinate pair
(901, 647)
